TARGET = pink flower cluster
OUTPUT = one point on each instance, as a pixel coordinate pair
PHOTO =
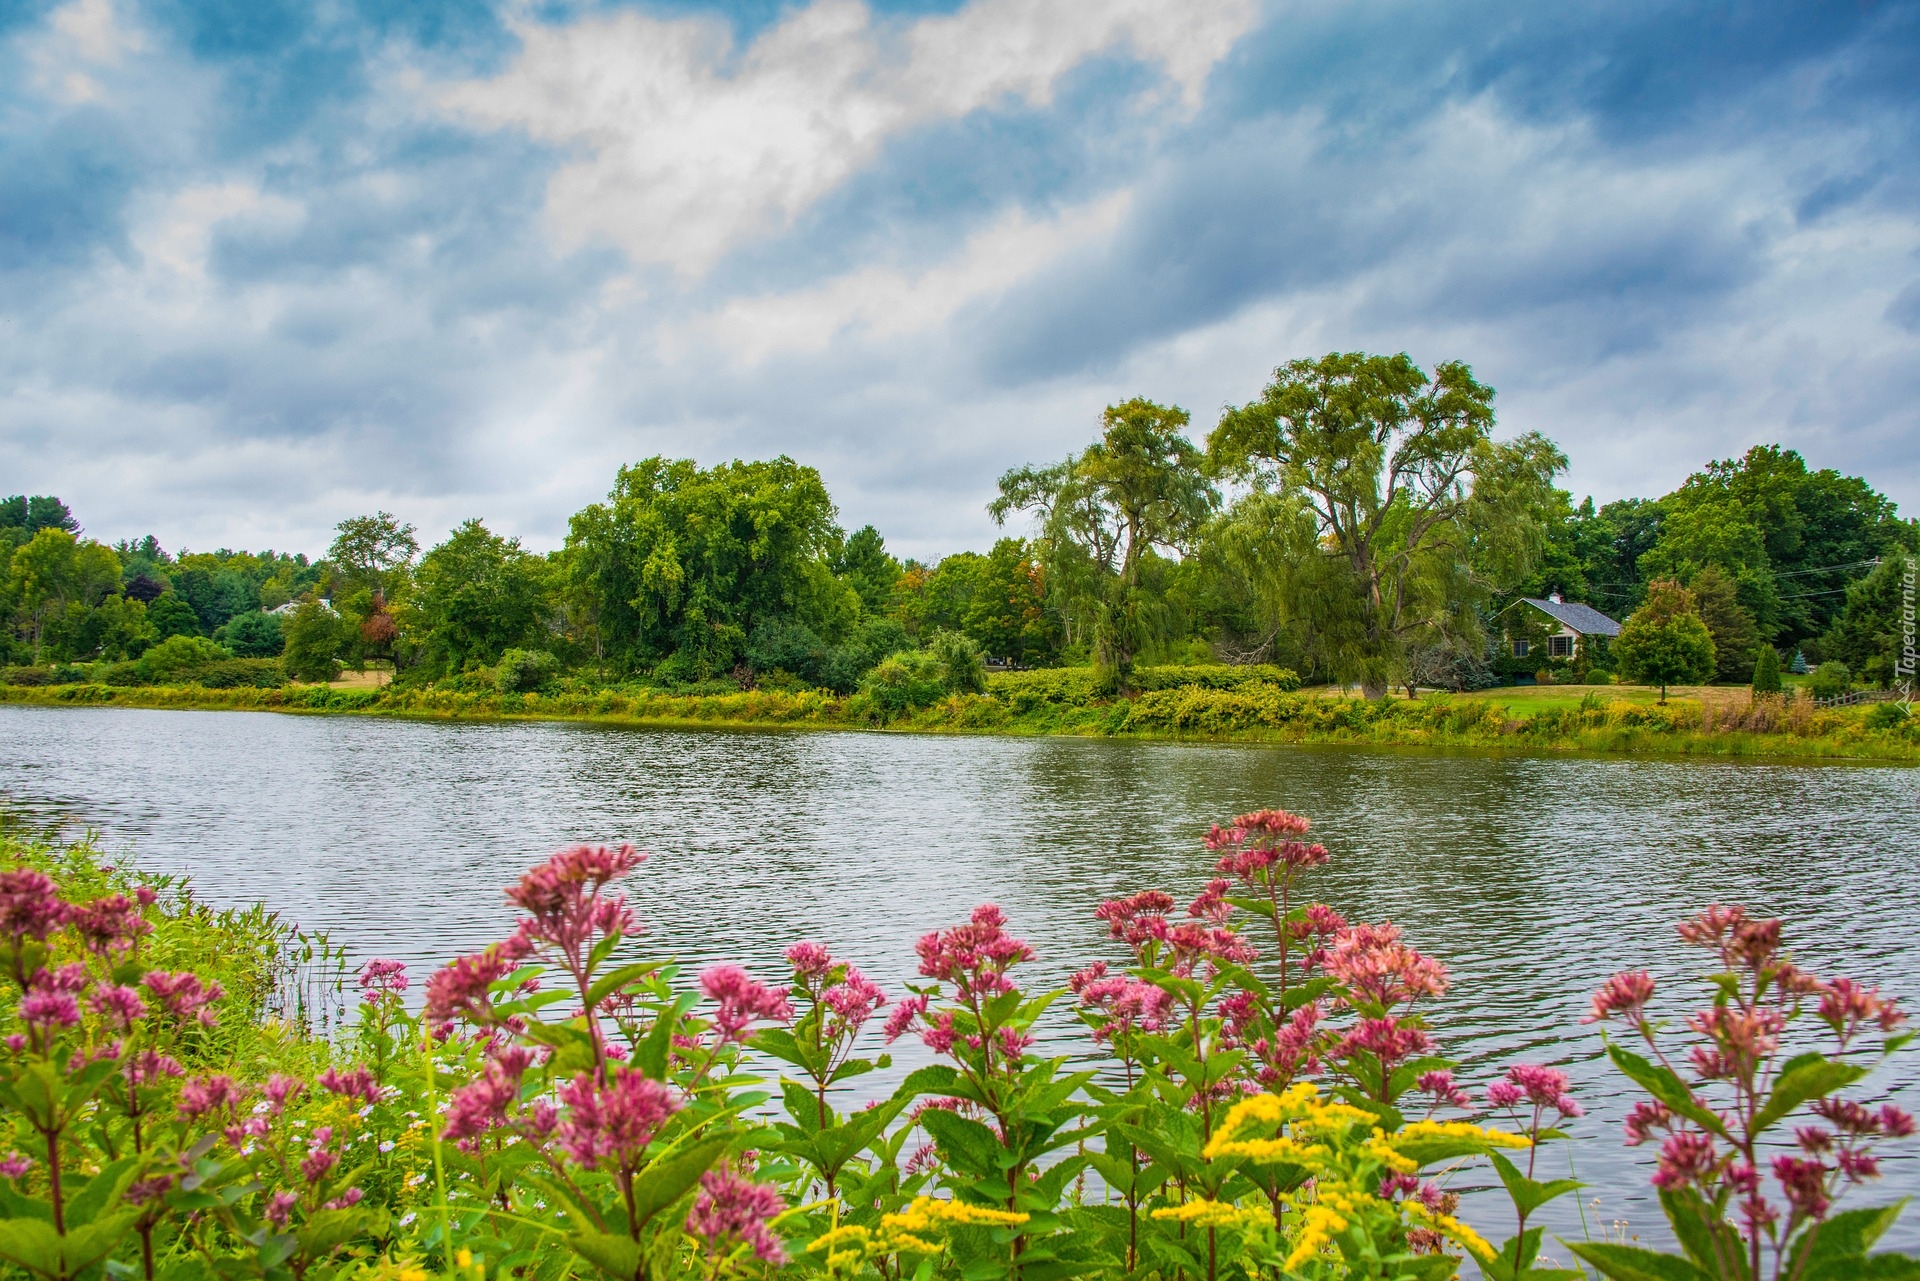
(610, 1126)
(1128, 1004)
(1378, 969)
(462, 988)
(731, 1211)
(562, 897)
(974, 957)
(1255, 844)
(743, 1001)
(1540, 1087)
(380, 979)
(183, 995)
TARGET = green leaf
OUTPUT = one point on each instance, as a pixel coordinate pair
(1808, 1081)
(669, 1178)
(102, 1190)
(1631, 1263)
(614, 1255)
(936, 1078)
(327, 1230)
(1529, 1194)
(1878, 1267)
(1663, 1085)
(967, 1145)
(608, 984)
(650, 1056)
(1844, 1237)
(35, 1246)
(1703, 1234)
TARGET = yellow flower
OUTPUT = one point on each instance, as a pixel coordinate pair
(1380, 1148)
(926, 1212)
(1213, 1214)
(463, 1258)
(413, 1274)
(1462, 1130)
(1317, 1227)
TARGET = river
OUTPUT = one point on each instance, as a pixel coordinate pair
(1532, 878)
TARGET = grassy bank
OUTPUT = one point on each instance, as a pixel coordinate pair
(1613, 720)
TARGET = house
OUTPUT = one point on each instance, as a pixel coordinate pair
(1551, 630)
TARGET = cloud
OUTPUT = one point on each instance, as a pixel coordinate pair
(685, 147)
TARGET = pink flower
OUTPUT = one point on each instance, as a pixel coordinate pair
(1212, 904)
(902, 1019)
(110, 924)
(354, 1083)
(14, 1166)
(976, 956)
(280, 1208)
(346, 1200)
(148, 1066)
(1544, 1087)
(382, 978)
(1441, 1086)
(730, 1211)
(204, 1094)
(1377, 969)
(119, 1006)
(614, 1124)
(1625, 993)
(853, 1000)
(30, 905)
(319, 1159)
(1805, 1184)
(45, 1009)
(1685, 1158)
(280, 1089)
(809, 959)
(1846, 1006)
(562, 896)
(1137, 920)
(461, 989)
(183, 995)
(1388, 1040)
(742, 1001)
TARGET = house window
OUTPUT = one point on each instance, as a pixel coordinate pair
(1520, 649)
(1560, 646)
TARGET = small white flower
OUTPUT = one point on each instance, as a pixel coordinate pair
(260, 1107)
(407, 1218)
(386, 1145)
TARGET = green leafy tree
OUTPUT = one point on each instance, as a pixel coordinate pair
(252, 635)
(1870, 630)
(1830, 680)
(171, 615)
(1417, 515)
(1665, 642)
(370, 552)
(1766, 671)
(54, 578)
(866, 566)
(1102, 511)
(312, 642)
(685, 564)
(1734, 635)
(476, 596)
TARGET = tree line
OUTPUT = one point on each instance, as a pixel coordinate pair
(1358, 521)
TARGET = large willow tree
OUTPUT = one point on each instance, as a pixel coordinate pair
(1392, 513)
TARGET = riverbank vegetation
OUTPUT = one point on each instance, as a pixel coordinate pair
(1358, 523)
(1259, 1096)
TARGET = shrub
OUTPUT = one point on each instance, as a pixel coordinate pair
(1766, 671)
(1215, 676)
(963, 668)
(29, 676)
(240, 673)
(903, 681)
(177, 656)
(1888, 716)
(252, 635)
(520, 670)
(1830, 680)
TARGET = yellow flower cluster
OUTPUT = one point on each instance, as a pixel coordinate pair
(1214, 1214)
(1462, 1130)
(1327, 1214)
(850, 1246)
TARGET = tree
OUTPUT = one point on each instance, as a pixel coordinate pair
(1766, 671)
(686, 564)
(53, 574)
(1399, 514)
(865, 565)
(312, 642)
(369, 550)
(170, 615)
(1665, 642)
(476, 596)
(1138, 488)
(1732, 627)
(252, 635)
(1869, 632)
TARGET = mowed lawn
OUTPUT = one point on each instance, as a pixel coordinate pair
(1525, 700)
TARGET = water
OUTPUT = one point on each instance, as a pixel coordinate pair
(1532, 878)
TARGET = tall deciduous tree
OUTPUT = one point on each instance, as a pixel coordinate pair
(1665, 642)
(54, 574)
(1401, 514)
(477, 595)
(686, 563)
(1140, 487)
(369, 550)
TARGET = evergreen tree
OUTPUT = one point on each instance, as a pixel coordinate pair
(1766, 671)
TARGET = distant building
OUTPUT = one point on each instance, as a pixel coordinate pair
(1565, 632)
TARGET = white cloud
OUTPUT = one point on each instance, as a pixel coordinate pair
(177, 235)
(684, 146)
(79, 39)
(885, 302)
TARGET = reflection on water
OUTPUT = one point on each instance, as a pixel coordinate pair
(1532, 878)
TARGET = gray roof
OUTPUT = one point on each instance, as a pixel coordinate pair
(1584, 619)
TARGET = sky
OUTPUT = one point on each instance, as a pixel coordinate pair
(266, 264)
